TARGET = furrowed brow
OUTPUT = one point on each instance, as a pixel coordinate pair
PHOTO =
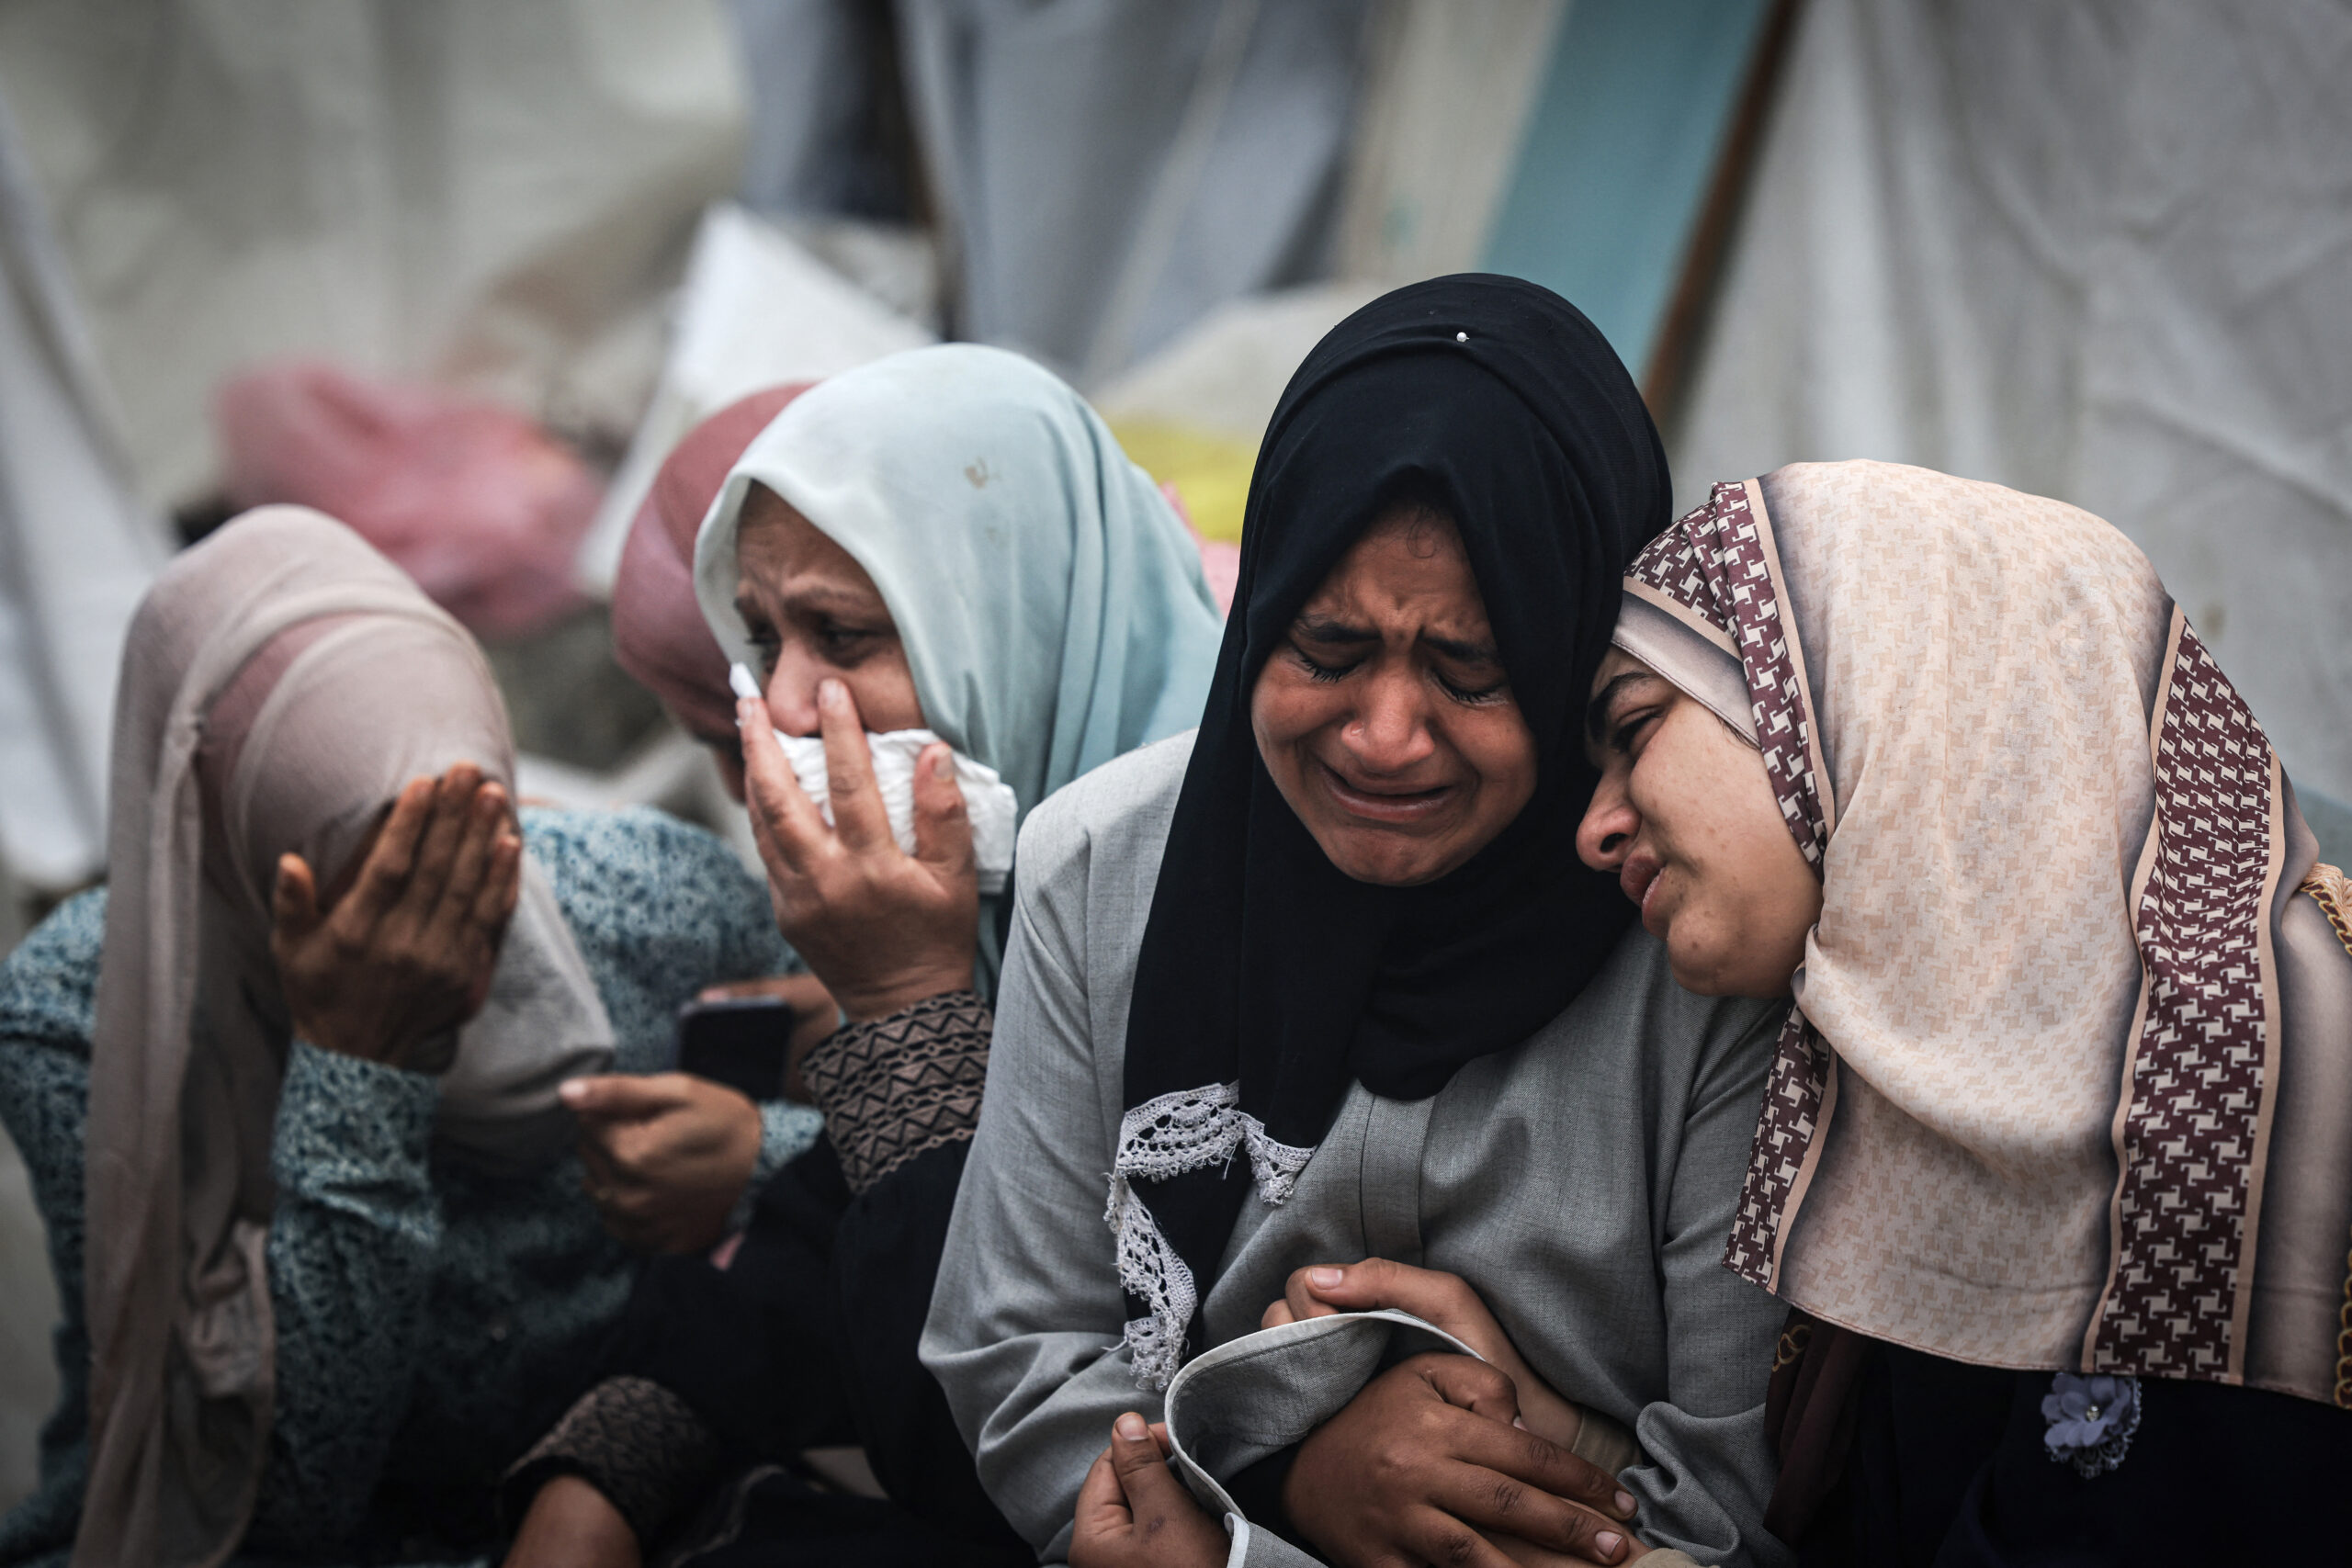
(1322, 629)
(826, 599)
(1463, 652)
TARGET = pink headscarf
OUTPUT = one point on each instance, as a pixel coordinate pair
(658, 630)
(280, 684)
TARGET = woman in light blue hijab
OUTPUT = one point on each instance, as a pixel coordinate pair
(1048, 600)
(939, 559)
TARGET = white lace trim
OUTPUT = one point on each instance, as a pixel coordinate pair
(1163, 1137)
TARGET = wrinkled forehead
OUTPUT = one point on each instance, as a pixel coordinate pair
(1410, 560)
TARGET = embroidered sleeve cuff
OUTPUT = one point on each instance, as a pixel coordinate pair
(633, 1441)
(901, 1086)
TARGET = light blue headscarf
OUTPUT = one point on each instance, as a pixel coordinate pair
(1049, 598)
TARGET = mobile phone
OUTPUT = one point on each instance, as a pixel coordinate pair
(737, 1040)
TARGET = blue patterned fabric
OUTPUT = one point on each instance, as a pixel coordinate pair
(432, 1321)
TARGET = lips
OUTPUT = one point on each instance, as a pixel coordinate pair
(1396, 807)
(1638, 877)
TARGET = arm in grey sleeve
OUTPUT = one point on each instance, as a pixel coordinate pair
(1026, 1318)
(1709, 1467)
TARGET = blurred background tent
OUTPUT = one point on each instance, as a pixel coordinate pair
(475, 267)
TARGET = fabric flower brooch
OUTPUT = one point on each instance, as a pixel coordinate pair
(2091, 1421)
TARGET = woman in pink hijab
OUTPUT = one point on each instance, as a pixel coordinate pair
(658, 629)
(640, 1134)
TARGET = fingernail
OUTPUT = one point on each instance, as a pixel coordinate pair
(1520, 1422)
(1326, 1278)
(1624, 1501)
(828, 692)
(1131, 1428)
(572, 1091)
(1609, 1542)
(943, 769)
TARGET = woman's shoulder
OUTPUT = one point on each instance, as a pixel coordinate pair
(627, 835)
(623, 876)
(1699, 1045)
(1089, 856)
(1123, 806)
(624, 850)
(49, 981)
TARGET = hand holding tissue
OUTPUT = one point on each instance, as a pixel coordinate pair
(988, 801)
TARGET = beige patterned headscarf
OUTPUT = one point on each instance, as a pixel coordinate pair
(2068, 1084)
(281, 682)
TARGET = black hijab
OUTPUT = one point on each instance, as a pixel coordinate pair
(1496, 403)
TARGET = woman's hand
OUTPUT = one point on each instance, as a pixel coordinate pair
(1445, 1300)
(1429, 1462)
(573, 1525)
(400, 951)
(666, 1155)
(882, 928)
(1134, 1513)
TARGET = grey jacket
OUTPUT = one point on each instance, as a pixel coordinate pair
(1582, 1182)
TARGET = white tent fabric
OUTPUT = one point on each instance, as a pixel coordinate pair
(1443, 116)
(76, 552)
(1227, 372)
(817, 148)
(1105, 172)
(756, 310)
(499, 196)
(2099, 255)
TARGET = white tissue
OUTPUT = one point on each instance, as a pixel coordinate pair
(988, 801)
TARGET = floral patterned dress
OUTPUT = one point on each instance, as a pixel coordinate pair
(432, 1321)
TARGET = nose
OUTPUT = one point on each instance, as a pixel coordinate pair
(1606, 835)
(1390, 732)
(791, 691)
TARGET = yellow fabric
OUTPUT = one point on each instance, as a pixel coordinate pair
(1210, 471)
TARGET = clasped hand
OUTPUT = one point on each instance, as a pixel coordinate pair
(881, 927)
(1441, 1459)
(400, 949)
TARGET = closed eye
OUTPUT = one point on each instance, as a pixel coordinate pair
(1628, 731)
(1322, 674)
(1495, 692)
(764, 641)
(840, 640)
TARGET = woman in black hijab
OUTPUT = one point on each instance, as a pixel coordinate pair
(1370, 940)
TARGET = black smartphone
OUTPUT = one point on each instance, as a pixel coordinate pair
(739, 1041)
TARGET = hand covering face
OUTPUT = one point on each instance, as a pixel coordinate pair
(1267, 979)
(2069, 1084)
(1050, 602)
(281, 682)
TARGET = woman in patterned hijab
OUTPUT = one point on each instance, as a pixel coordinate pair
(2056, 1160)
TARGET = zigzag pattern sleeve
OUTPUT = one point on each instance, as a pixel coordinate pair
(635, 1441)
(897, 1087)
